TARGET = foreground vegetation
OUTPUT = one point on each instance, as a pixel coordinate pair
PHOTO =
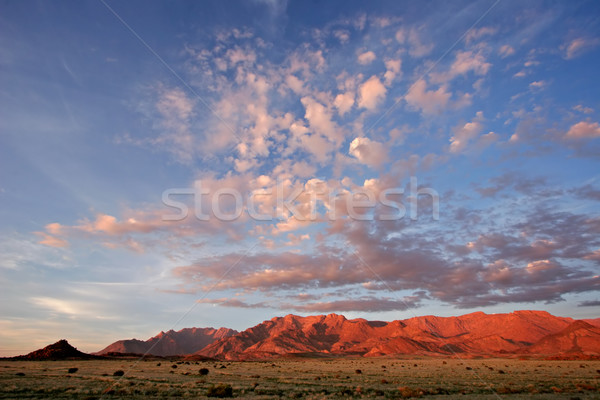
(302, 378)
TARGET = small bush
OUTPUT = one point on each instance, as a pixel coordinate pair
(173, 366)
(72, 370)
(203, 371)
(119, 372)
(221, 390)
(20, 374)
(358, 371)
(407, 392)
(158, 364)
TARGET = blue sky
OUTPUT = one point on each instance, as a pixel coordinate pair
(108, 109)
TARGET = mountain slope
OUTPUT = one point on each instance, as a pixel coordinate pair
(579, 337)
(171, 343)
(60, 350)
(476, 333)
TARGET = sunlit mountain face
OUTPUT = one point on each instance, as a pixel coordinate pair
(171, 165)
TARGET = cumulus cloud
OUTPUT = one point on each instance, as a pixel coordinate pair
(366, 58)
(372, 93)
(344, 102)
(393, 70)
(428, 101)
(368, 152)
(320, 120)
(466, 133)
(464, 62)
(584, 130)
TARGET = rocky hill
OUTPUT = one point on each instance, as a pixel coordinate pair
(171, 343)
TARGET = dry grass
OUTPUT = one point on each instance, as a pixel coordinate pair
(306, 378)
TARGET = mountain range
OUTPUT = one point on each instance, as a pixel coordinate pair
(521, 333)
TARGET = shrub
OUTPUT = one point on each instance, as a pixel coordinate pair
(119, 372)
(358, 371)
(407, 392)
(72, 370)
(203, 371)
(221, 390)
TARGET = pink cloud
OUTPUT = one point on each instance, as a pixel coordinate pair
(372, 93)
(584, 130)
(429, 102)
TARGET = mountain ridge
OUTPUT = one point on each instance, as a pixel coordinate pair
(170, 343)
(519, 333)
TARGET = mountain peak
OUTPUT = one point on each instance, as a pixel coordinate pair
(60, 350)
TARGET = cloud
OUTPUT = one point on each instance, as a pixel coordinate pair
(582, 109)
(465, 134)
(320, 120)
(429, 102)
(366, 58)
(51, 241)
(588, 192)
(589, 303)
(464, 62)
(537, 84)
(393, 70)
(58, 306)
(506, 50)
(344, 102)
(372, 93)
(417, 48)
(364, 304)
(368, 152)
(578, 46)
(343, 35)
(477, 33)
(583, 130)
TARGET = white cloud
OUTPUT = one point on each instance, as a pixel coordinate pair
(372, 93)
(366, 58)
(429, 102)
(368, 152)
(584, 130)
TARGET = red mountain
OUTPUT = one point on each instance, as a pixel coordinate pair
(472, 334)
(171, 343)
(579, 337)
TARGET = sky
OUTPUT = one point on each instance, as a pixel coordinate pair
(175, 164)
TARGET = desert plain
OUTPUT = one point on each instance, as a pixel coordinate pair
(311, 378)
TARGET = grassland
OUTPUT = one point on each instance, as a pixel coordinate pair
(303, 378)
